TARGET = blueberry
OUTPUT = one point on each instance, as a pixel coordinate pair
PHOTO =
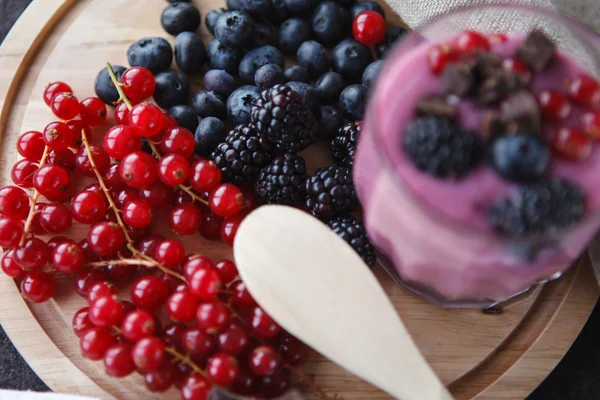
(296, 73)
(366, 6)
(392, 34)
(350, 59)
(233, 28)
(256, 7)
(331, 22)
(262, 34)
(352, 102)
(301, 7)
(307, 93)
(313, 56)
(223, 57)
(185, 116)
(233, 5)
(104, 87)
(268, 76)
(292, 33)
(180, 17)
(240, 102)
(153, 53)
(212, 17)
(519, 157)
(329, 86)
(371, 73)
(347, 3)
(178, 1)
(172, 88)
(208, 104)
(190, 54)
(209, 133)
(278, 12)
(220, 82)
(256, 58)
(329, 121)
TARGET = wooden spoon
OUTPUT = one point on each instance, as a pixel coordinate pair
(317, 288)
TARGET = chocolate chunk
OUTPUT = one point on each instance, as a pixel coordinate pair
(537, 50)
(521, 113)
(487, 64)
(458, 79)
(496, 87)
(491, 125)
(433, 104)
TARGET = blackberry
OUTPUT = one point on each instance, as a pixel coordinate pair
(330, 192)
(242, 155)
(441, 148)
(542, 208)
(282, 118)
(282, 182)
(354, 233)
(343, 145)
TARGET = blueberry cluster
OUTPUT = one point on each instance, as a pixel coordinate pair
(256, 111)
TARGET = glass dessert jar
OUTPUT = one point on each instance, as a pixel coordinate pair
(477, 166)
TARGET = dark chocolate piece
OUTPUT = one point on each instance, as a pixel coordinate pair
(521, 113)
(487, 64)
(433, 104)
(496, 87)
(492, 125)
(458, 79)
(536, 51)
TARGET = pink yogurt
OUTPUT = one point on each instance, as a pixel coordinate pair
(436, 232)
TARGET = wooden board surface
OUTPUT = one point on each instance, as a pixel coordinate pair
(491, 356)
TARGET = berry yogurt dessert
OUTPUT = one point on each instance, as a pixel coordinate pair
(477, 167)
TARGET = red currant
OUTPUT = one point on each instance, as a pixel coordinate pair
(197, 343)
(572, 144)
(148, 245)
(86, 279)
(591, 124)
(38, 286)
(205, 176)
(22, 173)
(196, 263)
(77, 127)
(233, 340)
(125, 196)
(211, 226)
(226, 200)
(93, 111)
(369, 28)
(106, 312)
(137, 214)
(498, 38)
(54, 88)
(138, 169)
(230, 226)
(68, 257)
(292, 350)
(161, 379)
(264, 361)
(471, 41)
(205, 284)
(121, 140)
(245, 383)
(157, 195)
(149, 293)
(31, 145)
(55, 241)
(195, 387)
(58, 136)
(118, 361)
(88, 207)
(173, 170)
(105, 238)
(81, 322)
(146, 119)
(62, 158)
(182, 306)
(212, 317)
(148, 354)
(33, 254)
(274, 385)
(65, 106)
(173, 335)
(100, 156)
(170, 253)
(95, 343)
(262, 325)
(185, 219)
(178, 141)
(138, 84)
(51, 181)
(222, 369)
(227, 271)
(518, 67)
(120, 273)
(554, 104)
(55, 218)
(137, 325)
(441, 55)
(99, 290)
(14, 202)
(122, 114)
(11, 231)
(584, 90)
(10, 266)
(241, 296)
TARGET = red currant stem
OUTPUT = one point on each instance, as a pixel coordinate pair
(156, 264)
(115, 80)
(123, 261)
(186, 359)
(33, 201)
(111, 203)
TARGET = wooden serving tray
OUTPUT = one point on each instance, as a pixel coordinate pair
(493, 356)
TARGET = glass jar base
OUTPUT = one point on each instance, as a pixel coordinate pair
(435, 298)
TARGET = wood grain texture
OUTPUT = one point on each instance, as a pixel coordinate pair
(474, 353)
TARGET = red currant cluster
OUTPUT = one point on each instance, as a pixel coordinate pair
(216, 334)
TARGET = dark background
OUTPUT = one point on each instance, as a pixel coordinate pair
(577, 377)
